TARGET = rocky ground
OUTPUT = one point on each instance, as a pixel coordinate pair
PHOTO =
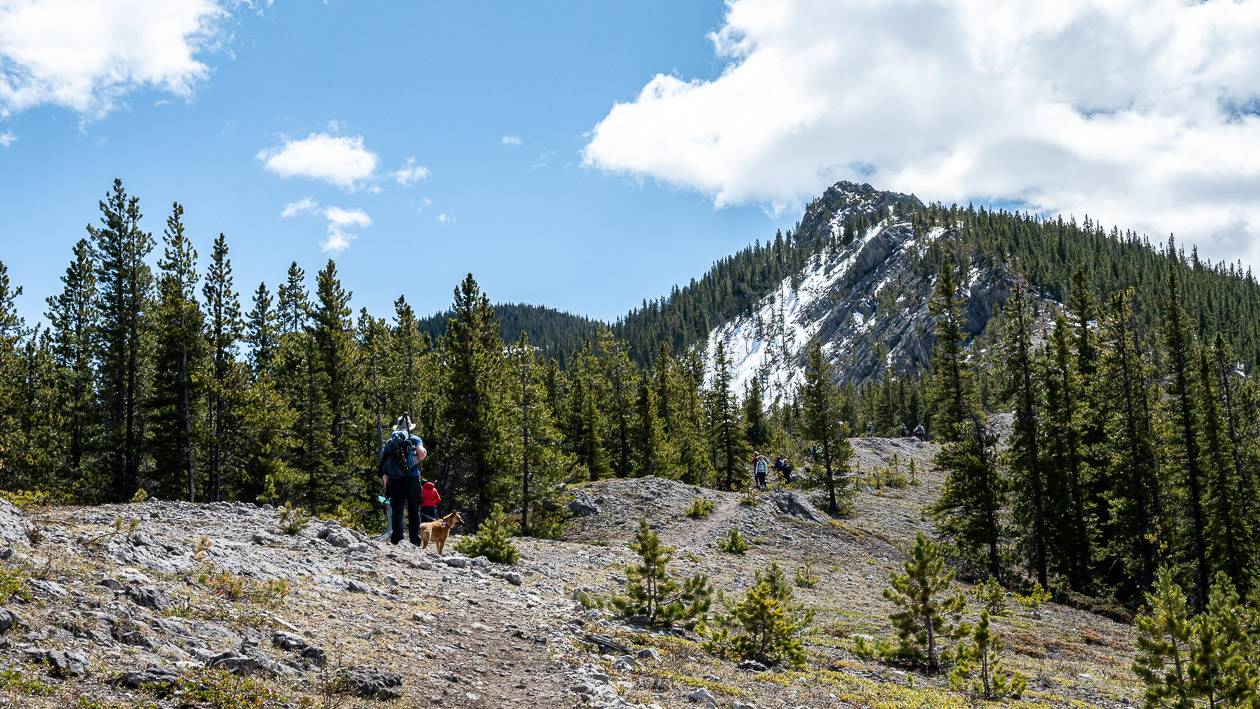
(173, 604)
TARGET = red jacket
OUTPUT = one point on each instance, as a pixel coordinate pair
(429, 496)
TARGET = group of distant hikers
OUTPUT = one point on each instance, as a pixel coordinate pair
(761, 469)
(399, 468)
(761, 465)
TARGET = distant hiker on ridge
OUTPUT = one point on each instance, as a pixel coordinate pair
(399, 467)
(919, 433)
(761, 466)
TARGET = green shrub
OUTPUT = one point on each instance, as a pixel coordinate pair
(217, 689)
(991, 597)
(805, 576)
(1034, 600)
(13, 583)
(700, 507)
(493, 539)
(293, 519)
(765, 625)
(733, 542)
(750, 497)
(13, 681)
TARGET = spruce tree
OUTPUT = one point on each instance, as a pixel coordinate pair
(262, 331)
(472, 357)
(1185, 455)
(1026, 459)
(587, 426)
(620, 377)
(1134, 527)
(1246, 528)
(223, 333)
(756, 428)
(180, 358)
(493, 539)
(724, 424)
(337, 360)
(654, 452)
(950, 394)
(652, 595)
(535, 457)
(820, 402)
(1067, 464)
(124, 294)
(11, 331)
(1228, 527)
(74, 320)
(927, 604)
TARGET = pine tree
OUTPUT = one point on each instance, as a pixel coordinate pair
(179, 379)
(820, 401)
(981, 655)
(724, 425)
(766, 625)
(1087, 443)
(124, 284)
(535, 457)
(262, 331)
(927, 606)
(74, 321)
(493, 539)
(586, 428)
(338, 361)
(654, 452)
(686, 379)
(1228, 528)
(223, 333)
(472, 354)
(1246, 527)
(1067, 459)
(950, 394)
(652, 594)
(619, 373)
(11, 331)
(972, 496)
(1026, 460)
(1164, 637)
(293, 307)
(756, 428)
(1184, 446)
(1134, 526)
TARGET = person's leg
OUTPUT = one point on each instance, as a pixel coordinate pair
(428, 513)
(413, 509)
(397, 499)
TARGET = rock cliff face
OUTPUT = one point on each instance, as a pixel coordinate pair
(866, 299)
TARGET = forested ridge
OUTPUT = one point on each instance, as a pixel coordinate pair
(1135, 442)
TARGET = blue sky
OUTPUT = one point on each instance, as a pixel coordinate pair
(588, 155)
(442, 83)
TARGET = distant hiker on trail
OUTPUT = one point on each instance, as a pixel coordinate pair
(919, 433)
(778, 465)
(904, 431)
(399, 467)
(761, 466)
(786, 471)
(429, 501)
(870, 429)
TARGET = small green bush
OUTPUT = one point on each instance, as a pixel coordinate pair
(217, 689)
(733, 542)
(493, 539)
(805, 576)
(765, 625)
(700, 507)
(13, 583)
(991, 597)
(293, 519)
(1034, 599)
(13, 681)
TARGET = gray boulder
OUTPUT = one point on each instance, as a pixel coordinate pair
(583, 505)
(7, 621)
(148, 597)
(61, 663)
(794, 505)
(12, 525)
(151, 677)
(370, 683)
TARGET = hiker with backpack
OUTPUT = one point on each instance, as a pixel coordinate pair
(399, 467)
(761, 466)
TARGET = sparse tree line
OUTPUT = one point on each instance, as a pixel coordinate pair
(152, 373)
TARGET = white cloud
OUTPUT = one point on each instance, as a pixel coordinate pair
(339, 222)
(292, 209)
(7, 138)
(511, 140)
(444, 218)
(340, 160)
(411, 173)
(1139, 113)
(86, 56)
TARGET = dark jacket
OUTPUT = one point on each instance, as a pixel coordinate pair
(388, 464)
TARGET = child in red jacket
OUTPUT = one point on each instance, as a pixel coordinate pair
(429, 501)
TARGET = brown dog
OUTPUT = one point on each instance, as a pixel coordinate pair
(438, 531)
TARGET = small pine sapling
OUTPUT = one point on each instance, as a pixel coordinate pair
(655, 597)
(765, 626)
(733, 542)
(493, 539)
(978, 670)
(927, 605)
